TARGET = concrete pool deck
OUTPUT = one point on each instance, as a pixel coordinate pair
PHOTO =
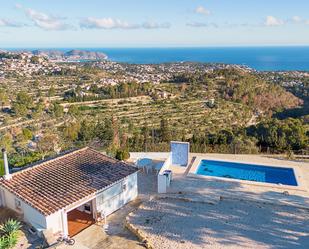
(222, 214)
(207, 189)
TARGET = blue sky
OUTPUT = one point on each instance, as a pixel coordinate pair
(157, 23)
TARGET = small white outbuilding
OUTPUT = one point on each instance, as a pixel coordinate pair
(81, 185)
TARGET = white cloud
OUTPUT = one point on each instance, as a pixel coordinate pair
(106, 23)
(154, 25)
(18, 6)
(201, 25)
(10, 23)
(297, 19)
(111, 23)
(46, 21)
(272, 21)
(202, 10)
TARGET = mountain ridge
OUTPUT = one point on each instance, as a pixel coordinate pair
(74, 55)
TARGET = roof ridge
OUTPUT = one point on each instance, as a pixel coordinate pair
(110, 157)
(49, 160)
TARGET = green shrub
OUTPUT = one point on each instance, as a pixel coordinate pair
(9, 233)
(17, 160)
(27, 133)
(122, 154)
(10, 226)
(3, 242)
(10, 240)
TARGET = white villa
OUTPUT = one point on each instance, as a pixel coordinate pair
(216, 200)
(83, 184)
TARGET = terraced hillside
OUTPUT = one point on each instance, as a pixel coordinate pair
(184, 115)
(124, 110)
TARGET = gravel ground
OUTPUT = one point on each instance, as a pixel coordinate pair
(176, 224)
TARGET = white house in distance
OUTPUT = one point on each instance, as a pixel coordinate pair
(81, 185)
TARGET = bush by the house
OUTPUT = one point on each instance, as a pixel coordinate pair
(9, 233)
(122, 154)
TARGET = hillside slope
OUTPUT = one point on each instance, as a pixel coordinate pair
(250, 89)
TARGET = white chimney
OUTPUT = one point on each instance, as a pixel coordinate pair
(7, 175)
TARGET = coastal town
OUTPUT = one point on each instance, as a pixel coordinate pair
(28, 63)
(25, 64)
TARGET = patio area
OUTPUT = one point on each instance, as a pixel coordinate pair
(240, 190)
(78, 221)
(229, 224)
(213, 189)
(216, 213)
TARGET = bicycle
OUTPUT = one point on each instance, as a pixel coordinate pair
(67, 240)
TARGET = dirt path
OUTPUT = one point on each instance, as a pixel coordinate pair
(144, 99)
(31, 121)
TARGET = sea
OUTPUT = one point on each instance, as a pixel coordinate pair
(280, 58)
(258, 58)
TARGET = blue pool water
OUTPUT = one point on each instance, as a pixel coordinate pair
(249, 172)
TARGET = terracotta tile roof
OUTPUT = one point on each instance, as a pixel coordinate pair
(57, 183)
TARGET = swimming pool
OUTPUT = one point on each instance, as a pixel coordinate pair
(249, 172)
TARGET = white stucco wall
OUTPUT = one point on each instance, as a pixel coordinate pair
(29, 214)
(115, 197)
(54, 222)
(162, 180)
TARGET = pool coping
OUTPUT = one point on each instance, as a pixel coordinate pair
(301, 186)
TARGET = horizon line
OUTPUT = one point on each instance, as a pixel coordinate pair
(153, 47)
